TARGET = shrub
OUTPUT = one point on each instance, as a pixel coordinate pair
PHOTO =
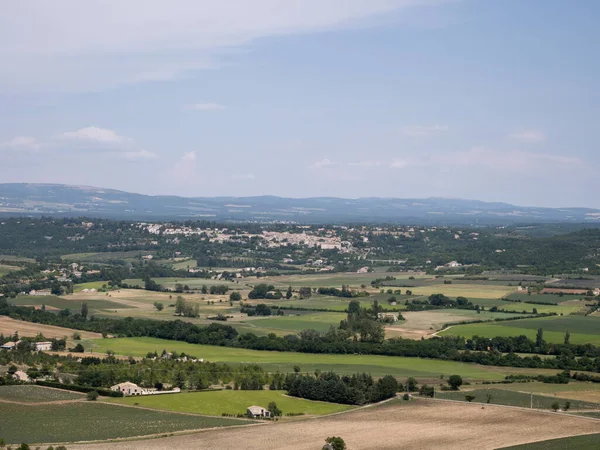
(92, 396)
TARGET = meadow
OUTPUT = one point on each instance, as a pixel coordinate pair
(285, 361)
(84, 421)
(7, 268)
(214, 403)
(192, 283)
(583, 329)
(69, 302)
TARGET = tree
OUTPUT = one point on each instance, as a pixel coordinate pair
(275, 411)
(555, 406)
(567, 406)
(78, 349)
(411, 384)
(469, 397)
(92, 396)
(204, 289)
(488, 397)
(288, 293)
(84, 310)
(539, 338)
(334, 443)
(159, 306)
(305, 292)
(180, 305)
(455, 382)
(235, 296)
(567, 337)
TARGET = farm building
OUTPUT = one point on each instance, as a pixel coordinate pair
(41, 293)
(257, 411)
(363, 270)
(19, 375)
(43, 346)
(128, 389)
(10, 345)
(387, 317)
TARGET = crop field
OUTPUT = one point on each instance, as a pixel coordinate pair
(9, 326)
(354, 280)
(584, 442)
(102, 257)
(70, 302)
(84, 421)
(193, 283)
(544, 298)
(584, 391)
(464, 290)
(419, 424)
(566, 307)
(36, 394)
(342, 364)
(7, 268)
(319, 321)
(422, 323)
(514, 398)
(583, 329)
(89, 285)
(214, 403)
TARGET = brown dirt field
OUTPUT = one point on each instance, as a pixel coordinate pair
(421, 424)
(8, 326)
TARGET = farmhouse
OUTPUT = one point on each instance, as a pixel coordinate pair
(19, 375)
(257, 411)
(363, 270)
(9, 345)
(387, 317)
(128, 388)
(41, 293)
(43, 346)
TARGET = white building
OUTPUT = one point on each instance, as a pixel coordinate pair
(129, 389)
(257, 411)
(43, 346)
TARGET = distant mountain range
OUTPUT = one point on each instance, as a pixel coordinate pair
(64, 200)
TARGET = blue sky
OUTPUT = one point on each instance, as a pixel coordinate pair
(491, 100)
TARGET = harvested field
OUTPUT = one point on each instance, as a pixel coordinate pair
(8, 326)
(421, 424)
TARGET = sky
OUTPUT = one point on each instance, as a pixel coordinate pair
(478, 99)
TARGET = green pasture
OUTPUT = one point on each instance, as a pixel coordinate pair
(336, 303)
(7, 268)
(583, 442)
(583, 329)
(85, 421)
(16, 259)
(89, 285)
(214, 403)
(285, 361)
(355, 280)
(102, 257)
(543, 298)
(514, 398)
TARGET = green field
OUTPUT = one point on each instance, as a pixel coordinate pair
(34, 394)
(85, 421)
(215, 403)
(513, 398)
(89, 285)
(583, 329)
(7, 268)
(285, 361)
(585, 442)
(318, 321)
(66, 303)
(193, 283)
(354, 280)
(544, 298)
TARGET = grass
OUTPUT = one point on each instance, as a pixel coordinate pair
(89, 285)
(544, 298)
(584, 442)
(514, 398)
(193, 283)
(231, 402)
(84, 421)
(583, 329)
(7, 268)
(355, 280)
(35, 394)
(285, 361)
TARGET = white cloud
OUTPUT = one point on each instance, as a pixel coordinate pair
(528, 136)
(138, 155)
(511, 160)
(94, 44)
(92, 140)
(22, 143)
(244, 177)
(365, 164)
(399, 164)
(422, 130)
(325, 163)
(97, 135)
(207, 107)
